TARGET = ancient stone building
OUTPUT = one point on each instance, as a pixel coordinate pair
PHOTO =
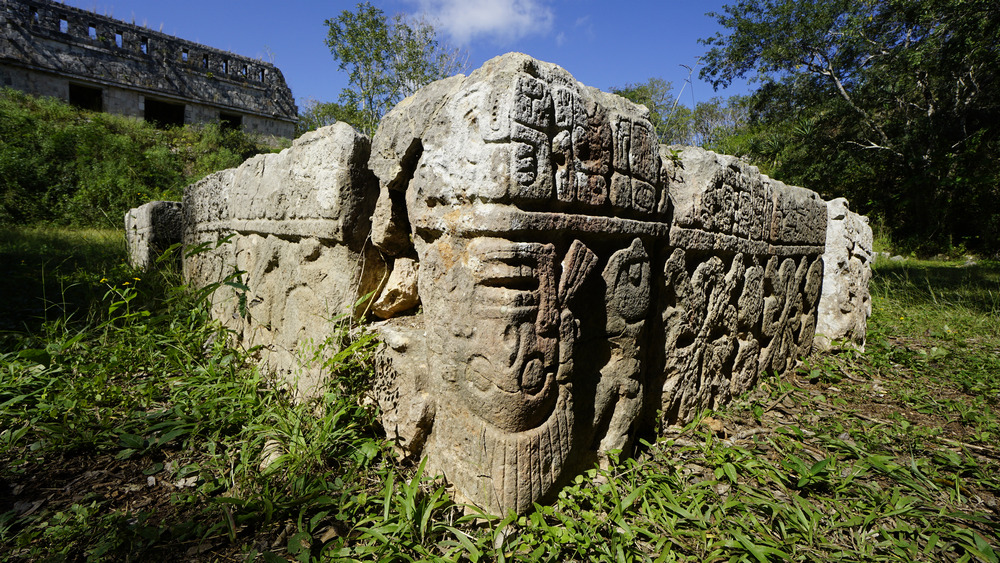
(100, 63)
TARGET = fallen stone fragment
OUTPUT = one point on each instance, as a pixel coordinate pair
(400, 292)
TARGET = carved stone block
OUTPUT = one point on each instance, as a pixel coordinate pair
(573, 282)
(578, 285)
(845, 304)
(285, 237)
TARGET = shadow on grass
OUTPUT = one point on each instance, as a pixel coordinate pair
(54, 273)
(941, 284)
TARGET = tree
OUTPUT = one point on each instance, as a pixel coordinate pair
(387, 60)
(717, 121)
(709, 124)
(892, 103)
(315, 114)
(670, 119)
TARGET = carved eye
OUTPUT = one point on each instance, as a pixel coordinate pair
(635, 273)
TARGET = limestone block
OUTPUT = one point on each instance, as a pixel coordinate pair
(720, 194)
(575, 278)
(400, 292)
(284, 234)
(151, 229)
(531, 203)
(845, 304)
(799, 216)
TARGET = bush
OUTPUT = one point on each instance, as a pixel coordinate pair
(73, 167)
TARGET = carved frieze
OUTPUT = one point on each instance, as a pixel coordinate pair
(573, 281)
(555, 283)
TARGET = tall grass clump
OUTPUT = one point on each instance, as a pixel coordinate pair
(138, 398)
(81, 168)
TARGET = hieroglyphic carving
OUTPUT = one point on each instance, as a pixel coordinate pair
(567, 146)
(529, 186)
(556, 282)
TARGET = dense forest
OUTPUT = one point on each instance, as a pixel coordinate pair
(893, 104)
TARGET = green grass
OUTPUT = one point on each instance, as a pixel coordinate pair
(131, 431)
(54, 273)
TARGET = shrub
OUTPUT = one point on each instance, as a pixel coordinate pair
(73, 167)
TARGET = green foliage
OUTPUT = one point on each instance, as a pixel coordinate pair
(670, 119)
(891, 104)
(387, 60)
(710, 124)
(314, 114)
(73, 167)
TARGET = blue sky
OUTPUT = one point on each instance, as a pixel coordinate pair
(602, 43)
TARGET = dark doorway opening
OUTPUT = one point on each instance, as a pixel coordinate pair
(164, 114)
(86, 97)
(230, 121)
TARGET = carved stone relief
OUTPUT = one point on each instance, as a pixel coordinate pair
(284, 234)
(573, 282)
(553, 283)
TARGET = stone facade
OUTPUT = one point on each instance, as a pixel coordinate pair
(552, 282)
(97, 62)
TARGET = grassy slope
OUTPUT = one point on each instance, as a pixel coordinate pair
(73, 167)
(135, 436)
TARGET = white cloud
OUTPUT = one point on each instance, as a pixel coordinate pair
(502, 20)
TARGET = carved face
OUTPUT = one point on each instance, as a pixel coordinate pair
(501, 335)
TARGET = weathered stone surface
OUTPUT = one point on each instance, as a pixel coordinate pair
(555, 283)
(574, 278)
(400, 291)
(845, 304)
(150, 230)
(289, 232)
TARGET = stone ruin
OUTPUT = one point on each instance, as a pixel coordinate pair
(845, 303)
(151, 230)
(552, 282)
(99, 63)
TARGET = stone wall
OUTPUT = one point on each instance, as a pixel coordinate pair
(284, 237)
(579, 285)
(551, 282)
(101, 63)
